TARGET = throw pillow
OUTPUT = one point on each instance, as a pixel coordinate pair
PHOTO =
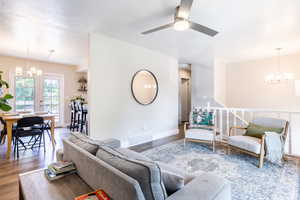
(201, 117)
(258, 131)
(146, 173)
(171, 180)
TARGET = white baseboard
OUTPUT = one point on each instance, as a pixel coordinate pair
(140, 139)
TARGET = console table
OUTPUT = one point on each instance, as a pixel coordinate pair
(35, 186)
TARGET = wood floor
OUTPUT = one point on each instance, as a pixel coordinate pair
(29, 160)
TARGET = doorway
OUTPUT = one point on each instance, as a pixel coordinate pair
(184, 93)
(40, 93)
(51, 99)
(185, 99)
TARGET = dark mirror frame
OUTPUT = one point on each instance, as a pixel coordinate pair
(155, 79)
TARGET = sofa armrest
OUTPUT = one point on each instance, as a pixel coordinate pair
(204, 187)
(114, 143)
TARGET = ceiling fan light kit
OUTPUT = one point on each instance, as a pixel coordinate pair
(181, 25)
(182, 22)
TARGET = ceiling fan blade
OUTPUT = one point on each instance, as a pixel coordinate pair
(158, 28)
(184, 9)
(203, 29)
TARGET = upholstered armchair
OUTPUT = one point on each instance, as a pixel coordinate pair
(200, 130)
(255, 146)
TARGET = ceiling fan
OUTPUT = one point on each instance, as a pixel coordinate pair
(182, 22)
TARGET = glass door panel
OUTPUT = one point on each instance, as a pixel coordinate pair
(51, 97)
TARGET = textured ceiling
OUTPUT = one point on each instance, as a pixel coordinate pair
(248, 29)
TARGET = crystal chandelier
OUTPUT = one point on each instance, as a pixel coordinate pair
(278, 77)
(28, 70)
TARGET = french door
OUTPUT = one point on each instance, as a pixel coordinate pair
(40, 94)
(51, 96)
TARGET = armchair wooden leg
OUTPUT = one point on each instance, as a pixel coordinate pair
(262, 153)
(261, 159)
(228, 150)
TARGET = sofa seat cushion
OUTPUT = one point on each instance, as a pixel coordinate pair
(199, 134)
(146, 173)
(84, 142)
(248, 143)
(204, 187)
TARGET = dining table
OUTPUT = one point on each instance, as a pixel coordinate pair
(11, 119)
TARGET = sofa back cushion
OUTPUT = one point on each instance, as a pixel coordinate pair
(98, 174)
(84, 142)
(146, 173)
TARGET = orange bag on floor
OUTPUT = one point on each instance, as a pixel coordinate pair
(97, 195)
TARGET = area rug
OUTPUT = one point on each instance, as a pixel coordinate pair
(272, 182)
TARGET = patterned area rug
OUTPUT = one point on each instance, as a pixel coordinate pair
(272, 182)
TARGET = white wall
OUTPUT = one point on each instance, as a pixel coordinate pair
(202, 85)
(246, 87)
(220, 82)
(113, 111)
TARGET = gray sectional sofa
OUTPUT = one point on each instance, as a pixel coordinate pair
(128, 175)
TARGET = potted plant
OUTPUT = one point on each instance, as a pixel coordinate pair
(78, 99)
(4, 98)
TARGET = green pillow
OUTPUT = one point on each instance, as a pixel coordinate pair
(258, 131)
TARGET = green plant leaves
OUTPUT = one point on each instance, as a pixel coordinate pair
(5, 107)
(8, 96)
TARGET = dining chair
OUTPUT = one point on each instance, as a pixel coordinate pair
(83, 118)
(74, 116)
(26, 127)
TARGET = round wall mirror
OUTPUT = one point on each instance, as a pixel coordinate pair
(144, 87)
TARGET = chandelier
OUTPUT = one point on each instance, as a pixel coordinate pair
(28, 70)
(278, 77)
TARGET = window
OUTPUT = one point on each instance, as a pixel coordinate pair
(24, 93)
(51, 96)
